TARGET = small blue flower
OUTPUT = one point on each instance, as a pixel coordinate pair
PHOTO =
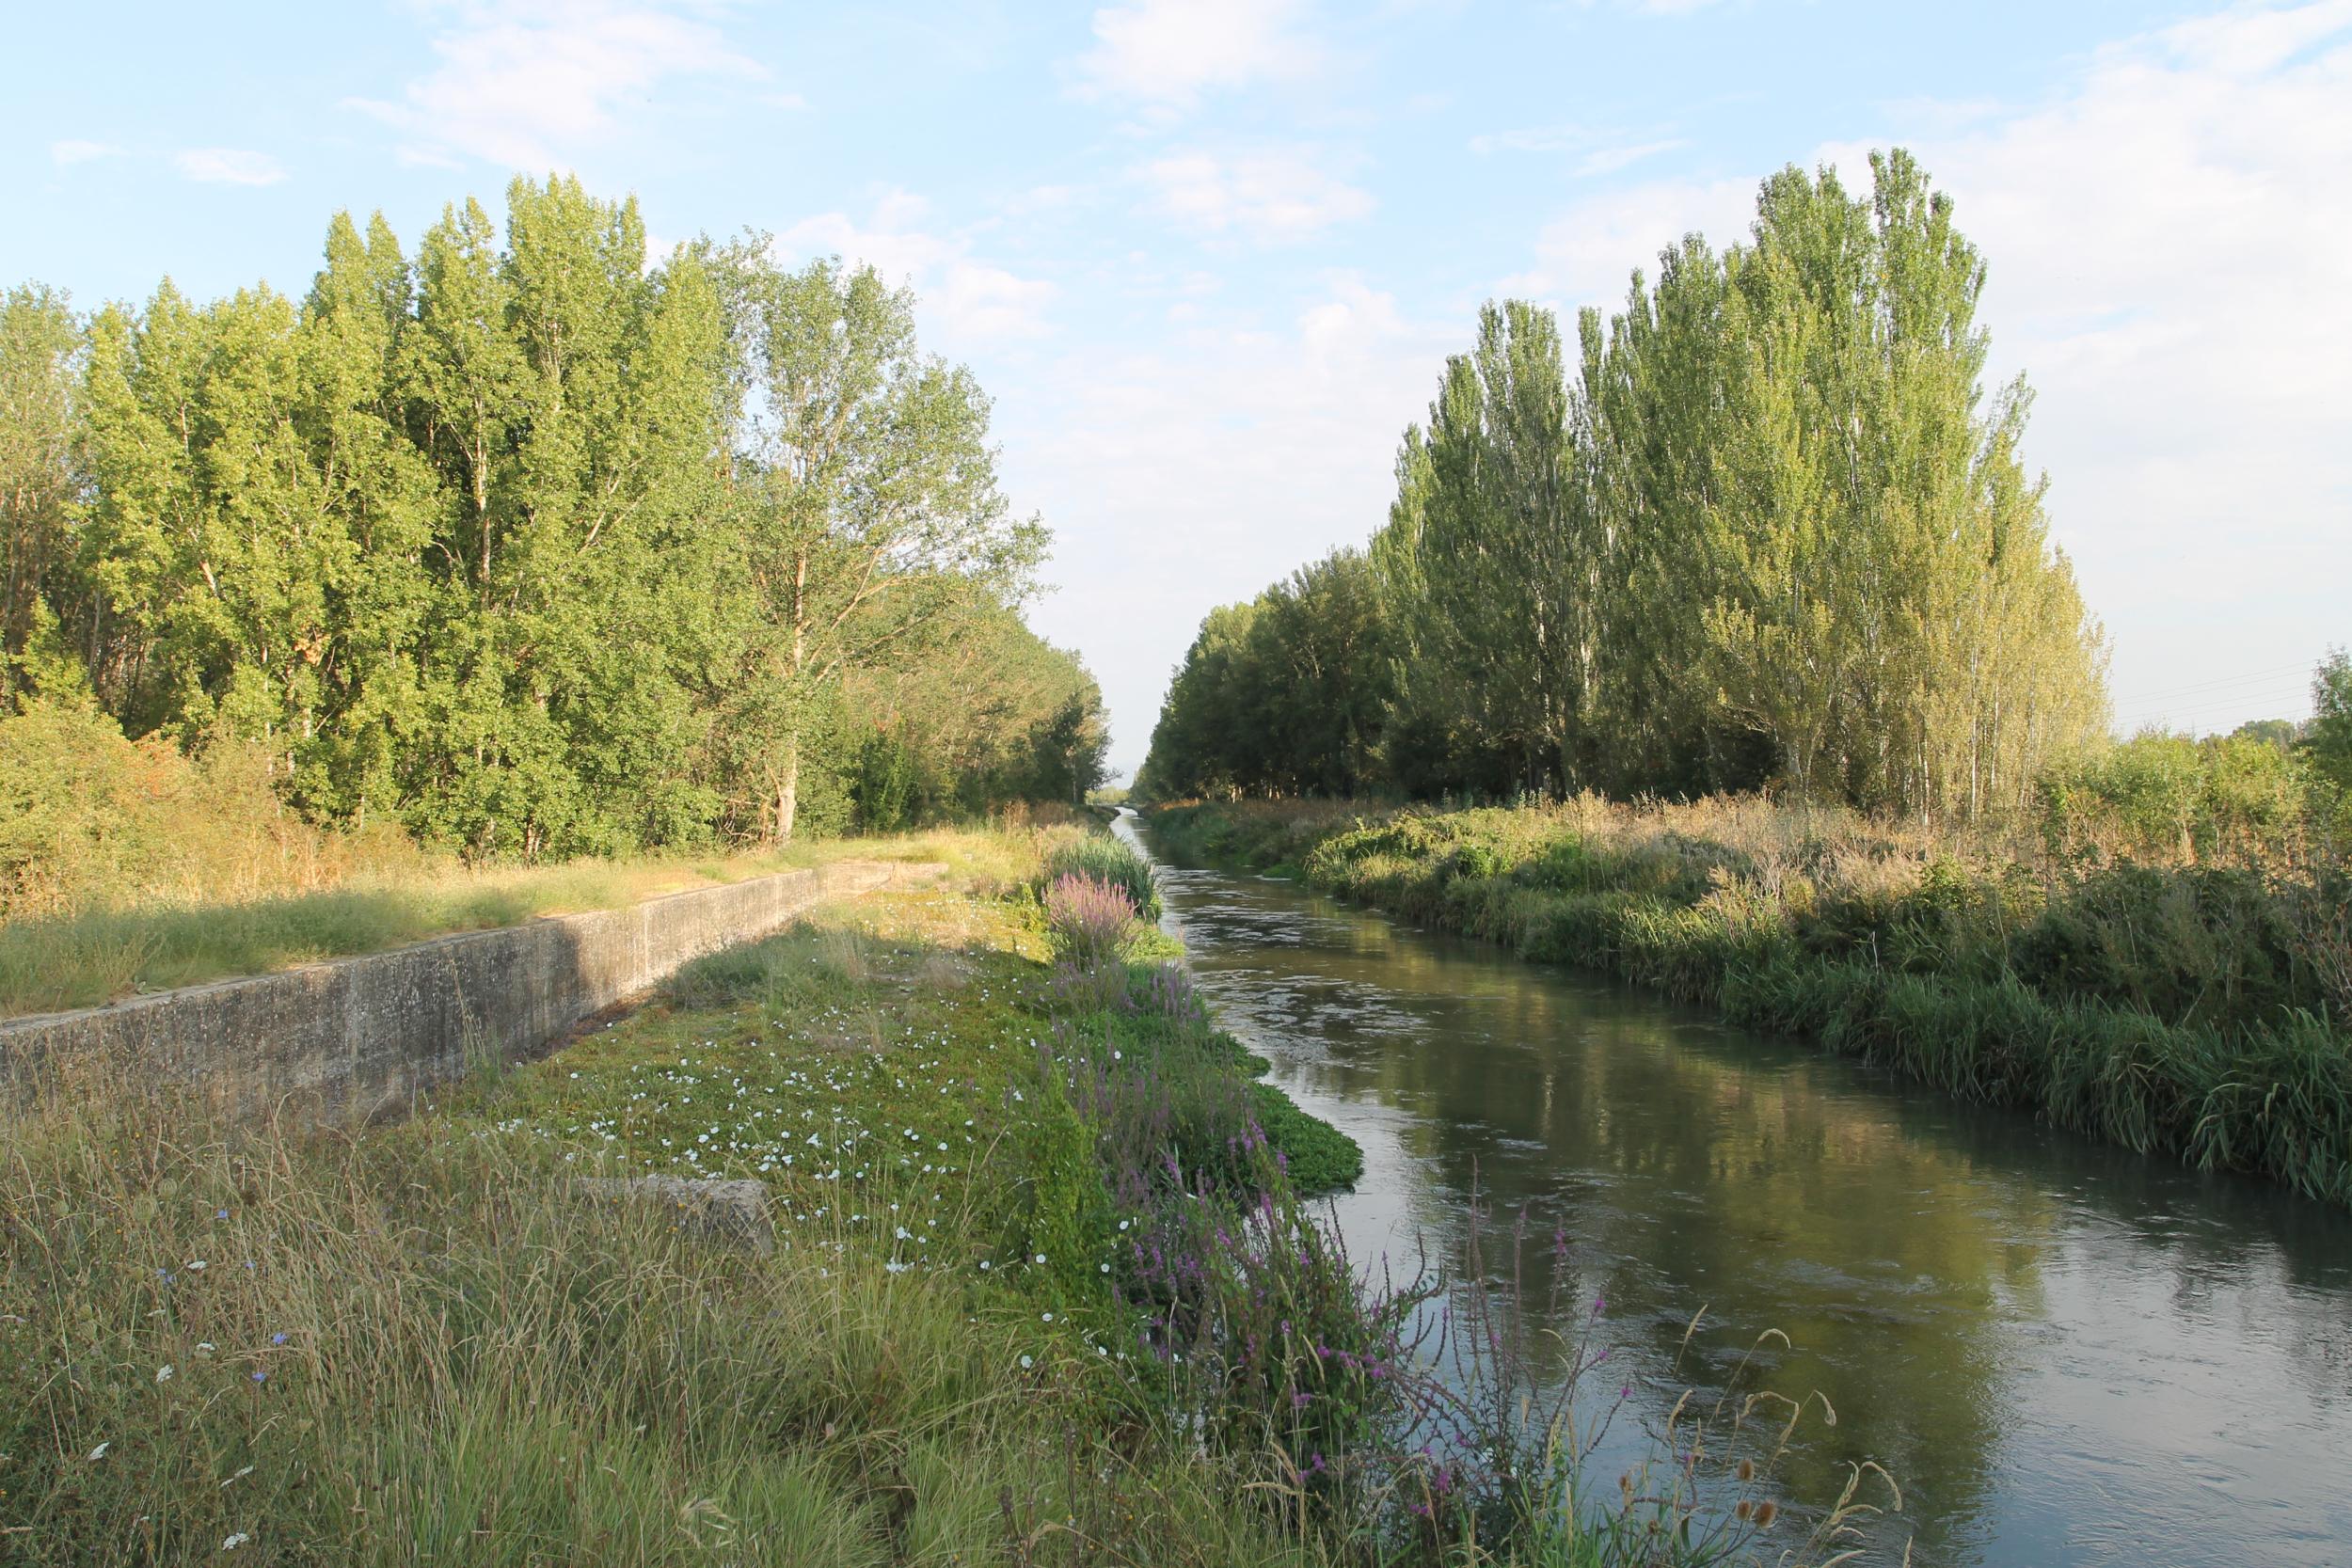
(278, 1339)
(221, 1214)
(261, 1377)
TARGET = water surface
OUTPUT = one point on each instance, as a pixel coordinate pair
(2068, 1354)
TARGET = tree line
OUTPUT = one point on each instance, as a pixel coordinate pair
(1766, 525)
(535, 544)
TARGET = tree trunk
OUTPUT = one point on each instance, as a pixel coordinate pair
(788, 792)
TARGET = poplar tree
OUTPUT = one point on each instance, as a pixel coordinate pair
(492, 541)
(40, 342)
(868, 498)
(1775, 531)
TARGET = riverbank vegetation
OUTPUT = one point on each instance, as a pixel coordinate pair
(130, 867)
(529, 545)
(516, 573)
(1765, 537)
(1043, 1288)
(2197, 1009)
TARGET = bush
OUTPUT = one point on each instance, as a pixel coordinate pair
(90, 820)
(1088, 923)
(1104, 859)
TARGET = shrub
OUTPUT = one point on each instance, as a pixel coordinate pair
(91, 820)
(1087, 923)
(1104, 859)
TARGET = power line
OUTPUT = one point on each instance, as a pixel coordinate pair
(2296, 703)
(2222, 681)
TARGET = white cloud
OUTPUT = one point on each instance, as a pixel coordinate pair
(228, 166)
(970, 300)
(1197, 473)
(1585, 257)
(1604, 152)
(2167, 248)
(1267, 196)
(81, 151)
(1609, 160)
(1164, 54)
(527, 84)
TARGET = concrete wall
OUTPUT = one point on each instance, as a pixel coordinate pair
(360, 1039)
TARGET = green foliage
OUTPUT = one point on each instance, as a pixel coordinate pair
(534, 544)
(1108, 860)
(2328, 739)
(41, 345)
(1317, 1156)
(2167, 797)
(92, 820)
(1284, 695)
(1764, 524)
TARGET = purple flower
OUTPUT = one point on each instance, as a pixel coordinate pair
(261, 1377)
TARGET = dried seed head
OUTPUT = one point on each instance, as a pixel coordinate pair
(1766, 1512)
(1747, 1470)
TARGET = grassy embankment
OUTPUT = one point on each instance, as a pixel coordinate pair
(102, 952)
(129, 867)
(2198, 1010)
(1042, 1293)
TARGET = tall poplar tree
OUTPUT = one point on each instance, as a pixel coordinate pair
(866, 497)
(40, 343)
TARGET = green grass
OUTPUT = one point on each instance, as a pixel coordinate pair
(2198, 1011)
(460, 1361)
(1038, 1296)
(103, 955)
(1104, 859)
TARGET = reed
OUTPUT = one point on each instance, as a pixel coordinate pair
(2187, 1008)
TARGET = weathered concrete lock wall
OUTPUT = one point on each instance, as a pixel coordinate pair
(361, 1039)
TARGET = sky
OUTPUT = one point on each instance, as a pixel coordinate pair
(1208, 256)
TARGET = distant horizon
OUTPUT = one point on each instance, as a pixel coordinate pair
(1208, 258)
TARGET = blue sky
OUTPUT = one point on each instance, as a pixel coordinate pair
(1209, 255)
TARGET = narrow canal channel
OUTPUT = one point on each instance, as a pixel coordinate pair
(2067, 1353)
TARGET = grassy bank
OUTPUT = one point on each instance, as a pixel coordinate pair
(1044, 1291)
(2193, 1010)
(130, 867)
(103, 952)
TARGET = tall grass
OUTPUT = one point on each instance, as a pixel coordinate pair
(404, 1350)
(2190, 1009)
(129, 866)
(1045, 1291)
(99, 954)
(1099, 857)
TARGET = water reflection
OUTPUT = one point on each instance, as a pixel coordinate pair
(2067, 1353)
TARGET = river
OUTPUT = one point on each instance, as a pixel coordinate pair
(2064, 1352)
